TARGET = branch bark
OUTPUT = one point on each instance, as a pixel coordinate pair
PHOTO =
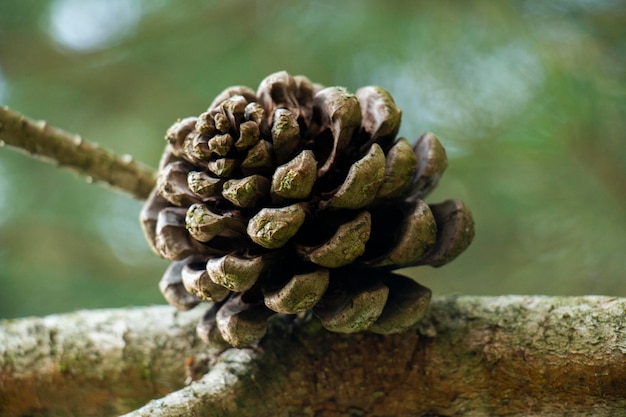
(98, 362)
(68, 150)
(510, 355)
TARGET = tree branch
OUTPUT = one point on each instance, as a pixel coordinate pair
(71, 151)
(508, 355)
(97, 362)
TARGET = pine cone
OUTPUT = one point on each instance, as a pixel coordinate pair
(298, 198)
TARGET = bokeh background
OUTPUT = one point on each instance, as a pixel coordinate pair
(528, 97)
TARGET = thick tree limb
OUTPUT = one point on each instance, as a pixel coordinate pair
(547, 356)
(71, 151)
(98, 362)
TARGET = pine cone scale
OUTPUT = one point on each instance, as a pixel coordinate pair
(361, 185)
(345, 245)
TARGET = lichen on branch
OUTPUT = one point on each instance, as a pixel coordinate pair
(508, 355)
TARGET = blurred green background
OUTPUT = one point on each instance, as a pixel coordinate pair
(528, 97)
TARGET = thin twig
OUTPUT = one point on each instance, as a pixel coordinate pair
(71, 151)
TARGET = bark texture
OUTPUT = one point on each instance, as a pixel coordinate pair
(68, 150)
(99, 362)
(471, 356)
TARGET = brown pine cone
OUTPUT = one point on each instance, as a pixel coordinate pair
(299, 197)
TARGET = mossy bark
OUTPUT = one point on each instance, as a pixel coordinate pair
(471, 356)
(100, 362)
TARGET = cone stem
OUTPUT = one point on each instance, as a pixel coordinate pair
(68, 150)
